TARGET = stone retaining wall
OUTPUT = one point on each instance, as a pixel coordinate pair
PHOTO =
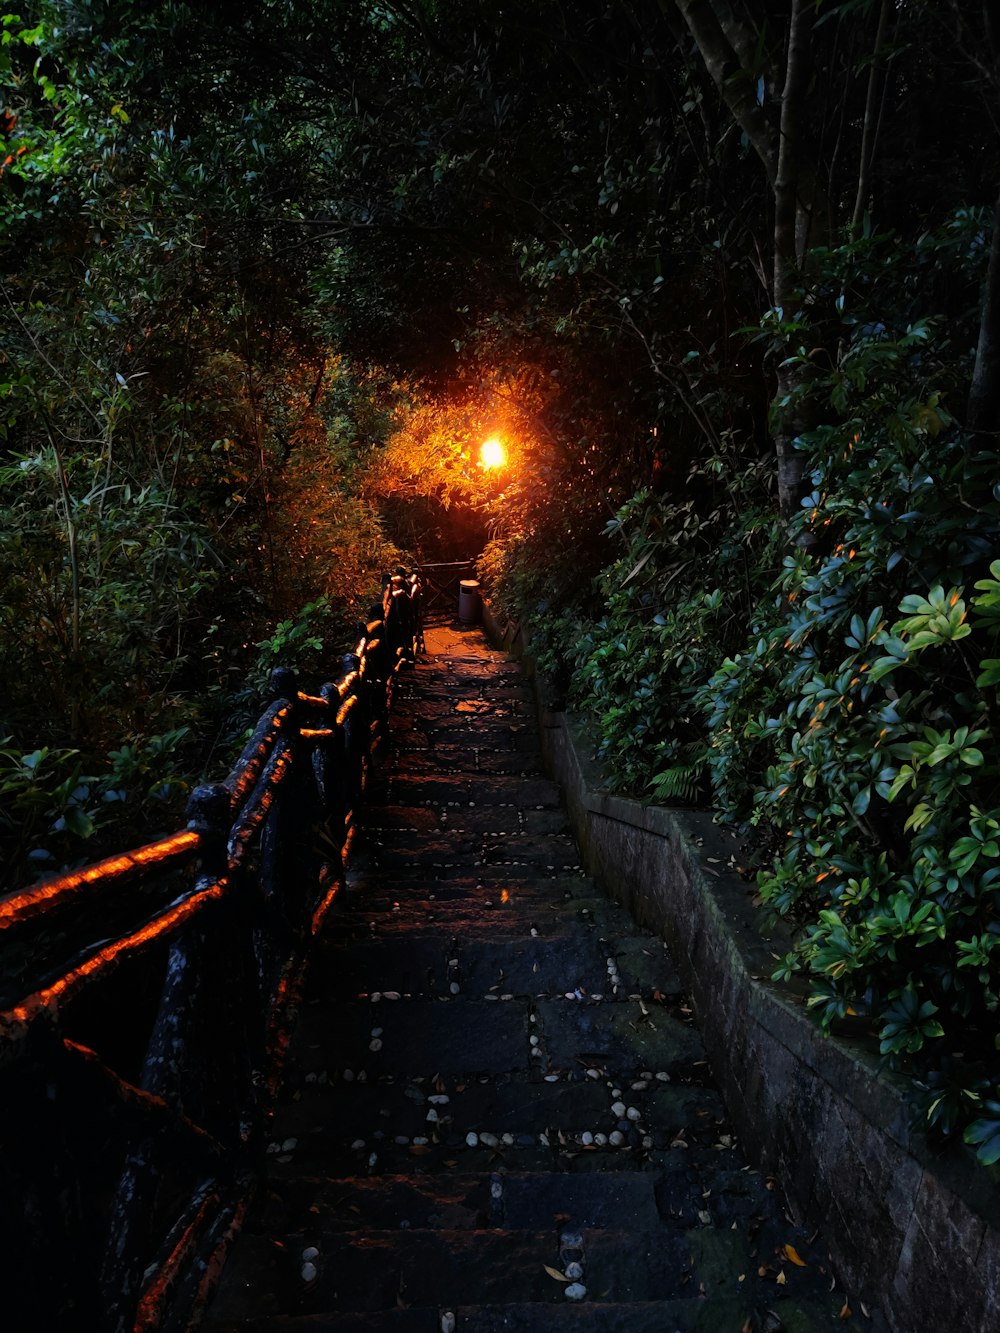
(913, 1235)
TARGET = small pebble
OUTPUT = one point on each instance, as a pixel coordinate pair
(376, 1032)
(455, 988)
(311, 1078)
(447, 1322)
(472, 1139)
(600, 1139)
(348, 1076)
(551, 1078)
(401, 1139)
(390, 995)
(508, 1139)
(419, 1140)
(496, 1189)
(575, 1291)
(543, 1139)
(375, 1044)
(663, 1077)
(358, 1144)
(439, 1099)
(593, 1073)
(534, 931)
(490, 1140)
(289, 1145)
(574, 1270)
(534, 1040)
(647, 1140)
(634, 1113)
(376, 995)
(618, 1109)
(362, 1076)
(432, 1116)
(640, 1084)
(310, 1252)
(586, 1138)
(309, 1272)
(372, 1158)
(616, 1138)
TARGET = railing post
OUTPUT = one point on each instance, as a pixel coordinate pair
(209, 809)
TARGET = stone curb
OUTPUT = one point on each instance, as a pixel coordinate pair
(916, 1235)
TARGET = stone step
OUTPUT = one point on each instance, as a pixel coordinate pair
(338, 1112)
(375, 1270)
(351, 963)
(489, 788)
(687, 1315)
(528, 1201)
(384, 821)
(414, 760)
(468, 1037)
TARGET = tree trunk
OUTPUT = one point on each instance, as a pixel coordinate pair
(983, 409)
(872, 117)
(794, 204)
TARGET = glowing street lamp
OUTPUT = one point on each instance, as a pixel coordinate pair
(492, 453)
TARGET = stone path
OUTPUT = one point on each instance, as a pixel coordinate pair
(499, 1116)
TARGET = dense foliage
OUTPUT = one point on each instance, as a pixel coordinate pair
(718, 273)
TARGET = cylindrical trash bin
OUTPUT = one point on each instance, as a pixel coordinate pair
(469, 603)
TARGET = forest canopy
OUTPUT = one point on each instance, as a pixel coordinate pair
(724, 276)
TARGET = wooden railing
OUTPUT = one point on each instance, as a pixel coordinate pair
(143, 1004)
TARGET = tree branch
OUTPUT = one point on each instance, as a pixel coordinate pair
(733, 79)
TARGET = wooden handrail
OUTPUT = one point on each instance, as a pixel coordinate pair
(142, 1038)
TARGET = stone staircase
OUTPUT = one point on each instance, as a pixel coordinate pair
(499, 1115)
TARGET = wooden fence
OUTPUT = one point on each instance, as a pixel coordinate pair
(143, 1010)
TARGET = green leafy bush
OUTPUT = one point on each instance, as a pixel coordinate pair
(859, 743)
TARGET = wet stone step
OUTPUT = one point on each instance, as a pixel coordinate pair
(519, 1107)
(620, 1036)
(498, 789)
(376, 1270)
(421, 966)
(454, 760)
(418, 1037)
(518, 1201)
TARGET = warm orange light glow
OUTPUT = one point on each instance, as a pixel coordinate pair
(492, 453)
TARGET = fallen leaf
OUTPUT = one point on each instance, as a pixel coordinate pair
(780, 1279)
(792, 1253)
(864, 1309)
(747, 1327)
(845, 1311)
(554, 1272)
